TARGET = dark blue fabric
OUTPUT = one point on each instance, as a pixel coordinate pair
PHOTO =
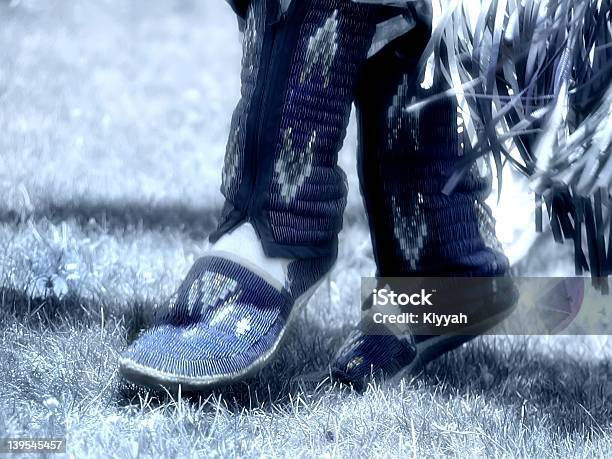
(221, 320)
(302, 274)
(363, 357)
(405, 159)
(300, 71)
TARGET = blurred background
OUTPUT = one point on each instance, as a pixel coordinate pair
(118, 104)
(113, 121)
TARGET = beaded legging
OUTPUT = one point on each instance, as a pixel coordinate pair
(299, 74)
(405, 159)
(302, 68)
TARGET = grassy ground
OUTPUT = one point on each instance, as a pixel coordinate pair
(114, 117)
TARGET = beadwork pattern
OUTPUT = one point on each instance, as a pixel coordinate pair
(410, 231)
(418, 228)
(296, 191)
(308, 190)
(224, 310)
(293, 166)
(397, 116)
(243, 326)
(210, 290)
(322, 49)
(226, 318)
(230, 165)
(461, 131)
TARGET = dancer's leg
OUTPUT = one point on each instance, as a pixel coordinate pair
(284, 193)
(405, 159)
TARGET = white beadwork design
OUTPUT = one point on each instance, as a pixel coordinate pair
(288, 282)
(354, 362)
(322, 49)
(172, 302)
(230, 165)
(192, 298)
(397, 115)
(210, 289)
(249, 41)
(251, 50)
(190, 332)
(224, 311)
(293, 167)
(411, 231)
(243, 326)
(416, 131)
(460, 131)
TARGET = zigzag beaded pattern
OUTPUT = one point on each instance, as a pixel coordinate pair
(308, 189)
(410, 229)
(452, 234)
(222, 319)
(397, 116)
(294, 166)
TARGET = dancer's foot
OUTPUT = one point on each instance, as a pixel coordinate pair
(226, 320)
(369, 353)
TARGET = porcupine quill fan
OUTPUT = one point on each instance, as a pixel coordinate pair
(533, 79)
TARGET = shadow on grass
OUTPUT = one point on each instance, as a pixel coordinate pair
(305, 349)
(192, 221)
(73, 310)
(196, 222)
(571, 393)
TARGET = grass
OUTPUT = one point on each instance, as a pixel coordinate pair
(113, 119)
